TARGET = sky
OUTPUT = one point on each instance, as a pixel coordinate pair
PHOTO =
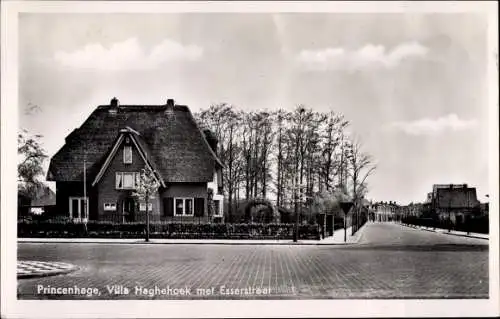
(412, 85)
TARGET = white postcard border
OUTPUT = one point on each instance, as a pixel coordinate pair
(13, 308)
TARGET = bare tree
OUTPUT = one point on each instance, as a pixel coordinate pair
(224, 122)
(332, 140)
(280, 118)
(361, 166)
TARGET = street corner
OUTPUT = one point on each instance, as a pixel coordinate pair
(356, 238)
(30, 269)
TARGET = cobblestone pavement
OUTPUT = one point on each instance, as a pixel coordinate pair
(29, 269)
(390, 261)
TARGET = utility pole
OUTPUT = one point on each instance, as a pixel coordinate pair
(147, 216)
(296, 209)
(469, 211)
(449, 211)
(85, 205)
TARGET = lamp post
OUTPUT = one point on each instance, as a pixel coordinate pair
(296, 209)
(449, 214)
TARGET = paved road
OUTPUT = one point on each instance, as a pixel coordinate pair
(390, 261)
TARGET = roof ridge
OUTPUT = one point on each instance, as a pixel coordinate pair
(122, 106)
(128, 129)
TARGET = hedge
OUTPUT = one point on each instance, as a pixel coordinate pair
(473, 225)
(95, 229)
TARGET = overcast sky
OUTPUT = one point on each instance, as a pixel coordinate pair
(412, 85)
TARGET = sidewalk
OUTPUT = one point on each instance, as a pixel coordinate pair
(336, 239)
(453, 232)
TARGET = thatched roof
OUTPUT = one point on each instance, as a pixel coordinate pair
(43, 196)
(168, 133)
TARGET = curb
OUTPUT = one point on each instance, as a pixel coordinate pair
(445, 233)
(45, 274)
(463, 235)
(358, 235)
(194, 242)
(356, 238)
(319, 243)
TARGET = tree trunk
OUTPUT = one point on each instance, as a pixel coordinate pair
(231, 177)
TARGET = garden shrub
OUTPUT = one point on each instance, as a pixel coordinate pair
(105, 229)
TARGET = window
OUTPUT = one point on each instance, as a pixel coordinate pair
(127, 155)
(37, 210)
(77, 208)
(127, 180)
(110, 206)
(179, 206)
(183, 206)
(142, 207)
(217, 207)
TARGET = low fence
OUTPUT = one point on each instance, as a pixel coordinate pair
(99, 229)
(472, 225)
(358, 220)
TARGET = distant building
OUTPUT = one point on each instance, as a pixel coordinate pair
(384, 211)
(410, 210)
(485, 209)
(454, 201)
(42, 202)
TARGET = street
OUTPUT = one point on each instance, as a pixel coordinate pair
(389, 261)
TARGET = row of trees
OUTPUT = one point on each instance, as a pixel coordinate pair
(304, 157)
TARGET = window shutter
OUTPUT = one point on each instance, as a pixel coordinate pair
(118, 180)
(199, 207)
(137, 180)
(168, 206)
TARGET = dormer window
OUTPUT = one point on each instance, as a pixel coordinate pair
(127, 155)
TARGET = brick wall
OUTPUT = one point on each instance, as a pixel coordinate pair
(194, 190)
(65, 190)
(109, 194)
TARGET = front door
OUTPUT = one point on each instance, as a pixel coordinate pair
(129, 209)
(78, 211)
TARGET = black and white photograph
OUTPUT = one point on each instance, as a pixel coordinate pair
(197, 153)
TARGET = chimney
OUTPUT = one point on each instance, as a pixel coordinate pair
(170, 106)
(114, 104)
